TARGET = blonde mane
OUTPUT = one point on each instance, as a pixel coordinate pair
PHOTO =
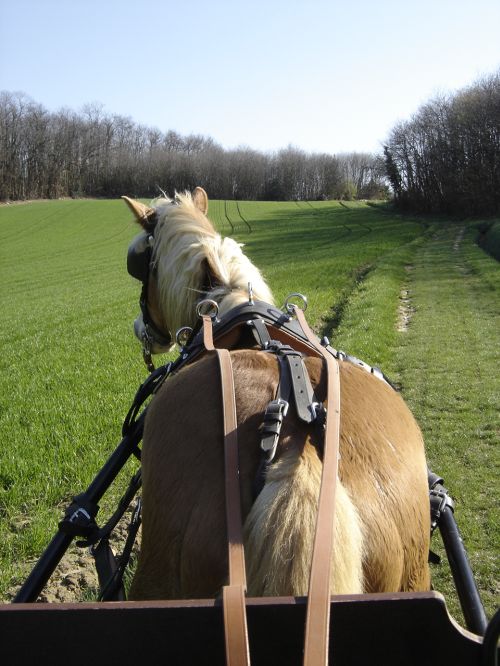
(191, 260)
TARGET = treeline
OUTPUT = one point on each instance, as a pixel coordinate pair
(91, 153)
(446, 158)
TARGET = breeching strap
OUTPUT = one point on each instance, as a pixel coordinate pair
(233, 595)
(318, 605)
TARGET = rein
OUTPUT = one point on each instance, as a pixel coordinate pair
(318, 606)
(233, 594)
(318, 609)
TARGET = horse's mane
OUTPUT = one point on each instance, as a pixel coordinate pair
(192, 259)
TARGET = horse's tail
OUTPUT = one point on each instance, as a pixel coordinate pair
(279, 531)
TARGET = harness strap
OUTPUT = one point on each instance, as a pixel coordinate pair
(113, 589)
(261, 332)
(275, 412)
(208, 338)
(292, 371)
(233, 594)
(293, 383)
(106, 566)
(303, 392)
(318, 606)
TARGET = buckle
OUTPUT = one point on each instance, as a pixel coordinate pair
(78, 515)
(275, 412)
(317, 409)
(277, 409)
(439, 501)
(79, 518)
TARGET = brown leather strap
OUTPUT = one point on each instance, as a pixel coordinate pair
(208, 338)
(233, 501)
(318, 607)
(233, 595)
(235, 626)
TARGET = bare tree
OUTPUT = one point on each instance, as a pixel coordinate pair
(94, 154)
(446, 158)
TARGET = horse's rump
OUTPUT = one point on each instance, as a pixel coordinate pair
(382, 514)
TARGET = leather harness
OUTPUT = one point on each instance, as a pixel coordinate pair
(287, 335)
(293, 377)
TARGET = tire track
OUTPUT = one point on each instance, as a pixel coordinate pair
(347, 230)
(28, 229)
(244, 220)
(227, 216)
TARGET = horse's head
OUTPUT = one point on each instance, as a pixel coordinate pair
(181, 260)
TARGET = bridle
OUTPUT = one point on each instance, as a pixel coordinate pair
(152, 339)
(140, 265)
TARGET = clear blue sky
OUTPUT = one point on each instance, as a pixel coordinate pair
(328, 76)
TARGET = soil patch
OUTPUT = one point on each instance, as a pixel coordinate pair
(75, 577)
(405, 309)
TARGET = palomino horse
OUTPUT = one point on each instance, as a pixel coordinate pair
(382, 523)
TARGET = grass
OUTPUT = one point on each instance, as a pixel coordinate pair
(70, 364)
(67, 371)
(490, 240)
(446, 364)
(319, 249)
(449, 371)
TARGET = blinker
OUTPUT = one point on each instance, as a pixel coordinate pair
(139, 256)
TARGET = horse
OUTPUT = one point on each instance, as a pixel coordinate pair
(382, 517)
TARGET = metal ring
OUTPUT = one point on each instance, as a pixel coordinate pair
(290, 307)
(212, 311)
(182, 335)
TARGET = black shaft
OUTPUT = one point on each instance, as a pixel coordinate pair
(470, 601)
(54, 552)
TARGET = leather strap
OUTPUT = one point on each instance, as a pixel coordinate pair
(302, 389)
(233, 595)
(275, 412)
(316, 643)
(261, 332)
(318, 606)
(235, 626)
(208, 338)
(233, 501)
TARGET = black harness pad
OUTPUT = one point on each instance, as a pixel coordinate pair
(261, 315)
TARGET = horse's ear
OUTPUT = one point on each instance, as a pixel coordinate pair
(200, 199)
(144, 215)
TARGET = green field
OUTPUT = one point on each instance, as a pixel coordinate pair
(70, 363)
